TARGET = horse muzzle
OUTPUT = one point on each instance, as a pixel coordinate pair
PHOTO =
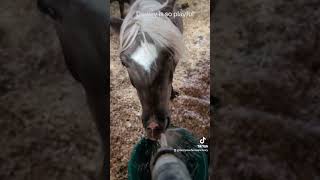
(154, 131)
(155, 127)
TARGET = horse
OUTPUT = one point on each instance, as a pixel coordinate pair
(151, 45)
(81, 26)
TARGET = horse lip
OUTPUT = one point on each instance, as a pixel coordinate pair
(151, 137)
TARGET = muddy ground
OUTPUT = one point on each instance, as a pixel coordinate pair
(191, 79)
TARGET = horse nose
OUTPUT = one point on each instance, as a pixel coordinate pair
(153, 125)
(154, 130)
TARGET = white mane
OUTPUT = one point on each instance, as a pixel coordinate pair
(143, 18)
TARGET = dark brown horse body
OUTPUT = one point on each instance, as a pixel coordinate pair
(82, 29)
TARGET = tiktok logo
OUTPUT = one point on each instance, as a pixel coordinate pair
(202, 140)
(202, 145)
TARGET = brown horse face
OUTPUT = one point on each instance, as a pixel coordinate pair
(151, 71)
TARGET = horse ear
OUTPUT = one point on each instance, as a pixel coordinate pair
(116, 24)
(169, 7)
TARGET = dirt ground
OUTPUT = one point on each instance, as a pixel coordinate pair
(191, 79)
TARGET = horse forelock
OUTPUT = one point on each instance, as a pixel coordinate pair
(143, 20)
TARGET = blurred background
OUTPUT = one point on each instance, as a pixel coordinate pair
(45, 127)
(266, 76)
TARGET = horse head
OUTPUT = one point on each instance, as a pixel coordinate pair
(150, 48)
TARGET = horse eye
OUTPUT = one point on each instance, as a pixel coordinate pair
(124, 61)
(124, 64)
